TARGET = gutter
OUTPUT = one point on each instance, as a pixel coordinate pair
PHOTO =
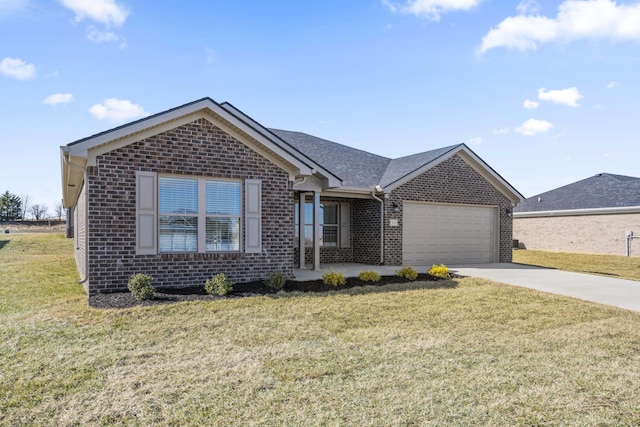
(69, 164)
(578, 212)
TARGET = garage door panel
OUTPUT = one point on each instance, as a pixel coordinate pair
(448, 233)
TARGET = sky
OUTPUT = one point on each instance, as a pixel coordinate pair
(545, 92)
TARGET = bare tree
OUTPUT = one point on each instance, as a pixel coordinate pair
(26, 206)
(39, 212)
(59, 211)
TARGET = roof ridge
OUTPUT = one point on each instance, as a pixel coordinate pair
(332, 142)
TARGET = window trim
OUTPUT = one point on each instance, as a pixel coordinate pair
(201, 216)
(337, 226)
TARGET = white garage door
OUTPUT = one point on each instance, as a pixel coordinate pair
(448, 234)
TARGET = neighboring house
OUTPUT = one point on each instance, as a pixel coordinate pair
(589, 216)
(203, 189)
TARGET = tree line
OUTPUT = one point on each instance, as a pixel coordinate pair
(18, 208)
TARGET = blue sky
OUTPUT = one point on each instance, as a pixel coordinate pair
(544, 91)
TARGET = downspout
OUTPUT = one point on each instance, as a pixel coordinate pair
(67, 162)
(373, 195)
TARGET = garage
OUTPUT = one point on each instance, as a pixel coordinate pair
(448, 233)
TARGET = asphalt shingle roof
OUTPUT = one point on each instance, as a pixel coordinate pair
(603, 190)
(357, 168)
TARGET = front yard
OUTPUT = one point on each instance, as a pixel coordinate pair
(476, 353)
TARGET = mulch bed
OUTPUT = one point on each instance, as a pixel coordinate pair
(240, 290)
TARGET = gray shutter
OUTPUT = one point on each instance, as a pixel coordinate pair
(146, 213)
(253, 216)
(345, 225)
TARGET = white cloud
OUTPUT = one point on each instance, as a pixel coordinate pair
(530, 105)
(8, 6)
(58, 98)
(502, 131)
(568, 96)
(577, 19)
(612, 84)
(105, 37)
(527, 7)
(107, 12)
(117, 110)
(476, 140)
(430, 9)
(17, 68)
(533, 127)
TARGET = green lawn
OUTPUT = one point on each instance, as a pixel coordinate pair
(476, 353)
(605, 265)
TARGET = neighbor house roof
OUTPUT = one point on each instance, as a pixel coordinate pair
(601, 193)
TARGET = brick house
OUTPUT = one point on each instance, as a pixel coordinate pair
(203, 188)
(592, 215)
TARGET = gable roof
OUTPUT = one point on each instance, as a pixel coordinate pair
(601, 191)
(362, 169)
(339, 166)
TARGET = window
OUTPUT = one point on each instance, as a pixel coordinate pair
(198, 215)
(328, 224)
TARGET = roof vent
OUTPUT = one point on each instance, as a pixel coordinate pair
(539, 199)
(598, 174)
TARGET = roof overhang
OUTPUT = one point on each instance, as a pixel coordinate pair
(472, 160)
(82, 153)
(579, 212)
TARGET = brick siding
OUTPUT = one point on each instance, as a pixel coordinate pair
(452, 181)
(198, 149)
(596, 234)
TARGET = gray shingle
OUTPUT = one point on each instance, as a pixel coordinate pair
(603, 190)
(358, 168)
(355, 167)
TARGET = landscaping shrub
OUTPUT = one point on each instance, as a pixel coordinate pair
(276, 280)
(408, 273)
(440, 271)
(140, 287)
(369, 276)
(218, 285)
(333, 278)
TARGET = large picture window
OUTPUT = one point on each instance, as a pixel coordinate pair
(198, 215)
(328, 224)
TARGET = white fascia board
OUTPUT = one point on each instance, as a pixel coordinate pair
(332, 180)
(579, 212)
(205, 108)
(472, 160)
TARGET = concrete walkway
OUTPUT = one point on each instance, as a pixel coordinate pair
(604, 290)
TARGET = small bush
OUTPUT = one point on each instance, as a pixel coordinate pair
(140, 287)
(276, 280)
(369, 276)
(408, 273)
(218, 285)
(333, 278)
(440, 271)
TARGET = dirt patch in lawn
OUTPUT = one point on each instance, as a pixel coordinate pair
(240, 290)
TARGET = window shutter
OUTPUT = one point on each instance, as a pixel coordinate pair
(345, 225)
(253, 216)
(146, 213)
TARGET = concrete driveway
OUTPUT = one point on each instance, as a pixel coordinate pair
(605, 290)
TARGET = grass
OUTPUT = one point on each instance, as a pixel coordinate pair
(476, 353)
(605, 265)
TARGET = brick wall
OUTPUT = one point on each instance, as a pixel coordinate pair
(452, 181)
(198, 149)
(596, 234)
(365, 227)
